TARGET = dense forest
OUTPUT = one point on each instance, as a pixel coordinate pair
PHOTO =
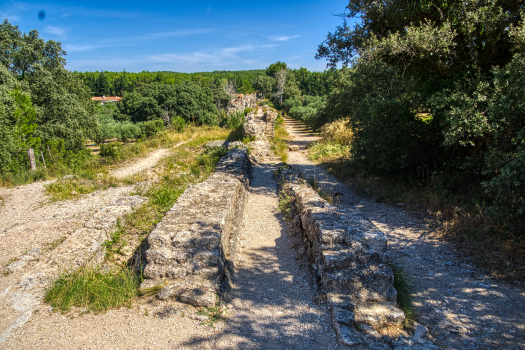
(434, 95)
(242, 82)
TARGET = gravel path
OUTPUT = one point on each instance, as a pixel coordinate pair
(149, 161)
(462, 307)
(273, 297)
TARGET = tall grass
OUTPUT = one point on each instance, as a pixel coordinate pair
(405, 292)
(279, 145)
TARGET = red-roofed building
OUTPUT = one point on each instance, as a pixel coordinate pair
(104, 99)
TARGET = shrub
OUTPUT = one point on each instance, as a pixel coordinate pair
(108, 150)
(178, 123)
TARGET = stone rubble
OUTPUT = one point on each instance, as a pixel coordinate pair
(260, 125)
(244, 101)
(192, 251)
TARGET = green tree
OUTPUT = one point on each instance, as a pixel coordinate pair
(103, 87)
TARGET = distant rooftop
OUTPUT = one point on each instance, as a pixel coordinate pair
(106, 98)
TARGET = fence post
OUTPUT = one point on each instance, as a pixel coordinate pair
(43, 161)
(32, 161)
(50, 156)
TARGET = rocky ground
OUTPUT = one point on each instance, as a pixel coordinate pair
(459, 304)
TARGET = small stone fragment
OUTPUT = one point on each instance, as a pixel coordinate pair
(420, 331)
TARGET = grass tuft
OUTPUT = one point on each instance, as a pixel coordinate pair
(280, 136)
(405, 291)
(150, 291)
(93, 289)
(214, 314)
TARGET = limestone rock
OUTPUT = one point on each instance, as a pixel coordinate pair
(293, 148)
(412, 343)
(420, 331)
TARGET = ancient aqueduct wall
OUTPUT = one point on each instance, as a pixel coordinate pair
(194, 246)
(347, 254)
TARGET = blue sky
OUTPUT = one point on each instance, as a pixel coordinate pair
(182, 36)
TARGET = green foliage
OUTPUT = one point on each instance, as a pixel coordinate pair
(306, 109)
(93, 289)
(404, 291)
(235, 119)
(178, 123)
(102, 85)
(40, 100)
(285, 204)
(435, 88)
(246, 88)
(108, 150)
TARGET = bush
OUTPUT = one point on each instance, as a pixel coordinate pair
(178, 123)
(108, 150)
(152, 127)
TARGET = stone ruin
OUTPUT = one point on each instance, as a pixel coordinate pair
(244, 101)
(260, 125)
(193, 248)
(347, 254)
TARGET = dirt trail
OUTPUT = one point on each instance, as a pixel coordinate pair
(462, 307)
(273, 297)
(149, 161)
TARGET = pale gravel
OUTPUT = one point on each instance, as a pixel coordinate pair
(138, 165)
(459, 303)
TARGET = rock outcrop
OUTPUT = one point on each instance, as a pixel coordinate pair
(193, 249)
(348, 256)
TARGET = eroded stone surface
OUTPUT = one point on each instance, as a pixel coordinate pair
(260, 125)
(82, 247)
(348, 254)
(197, 241)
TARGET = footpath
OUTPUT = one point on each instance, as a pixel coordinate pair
(461, 307)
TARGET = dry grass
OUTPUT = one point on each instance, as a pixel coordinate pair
(337, 132)
(279, 145)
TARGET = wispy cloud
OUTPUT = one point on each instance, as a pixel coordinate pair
(283, 37)
(216, 57)
(177, 33)
(55, 30)
(11, 18)
(76, 48)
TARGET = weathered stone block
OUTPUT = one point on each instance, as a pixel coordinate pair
(198, 237)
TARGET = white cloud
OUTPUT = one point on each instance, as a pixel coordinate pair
(55, 30)
(75, 48)
(282, 37)
(185, 32)
(217, 57)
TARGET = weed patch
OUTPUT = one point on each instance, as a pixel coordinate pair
(285, 204)
(404, 293)
(93, 289)
(279, 145)
(214, 314)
